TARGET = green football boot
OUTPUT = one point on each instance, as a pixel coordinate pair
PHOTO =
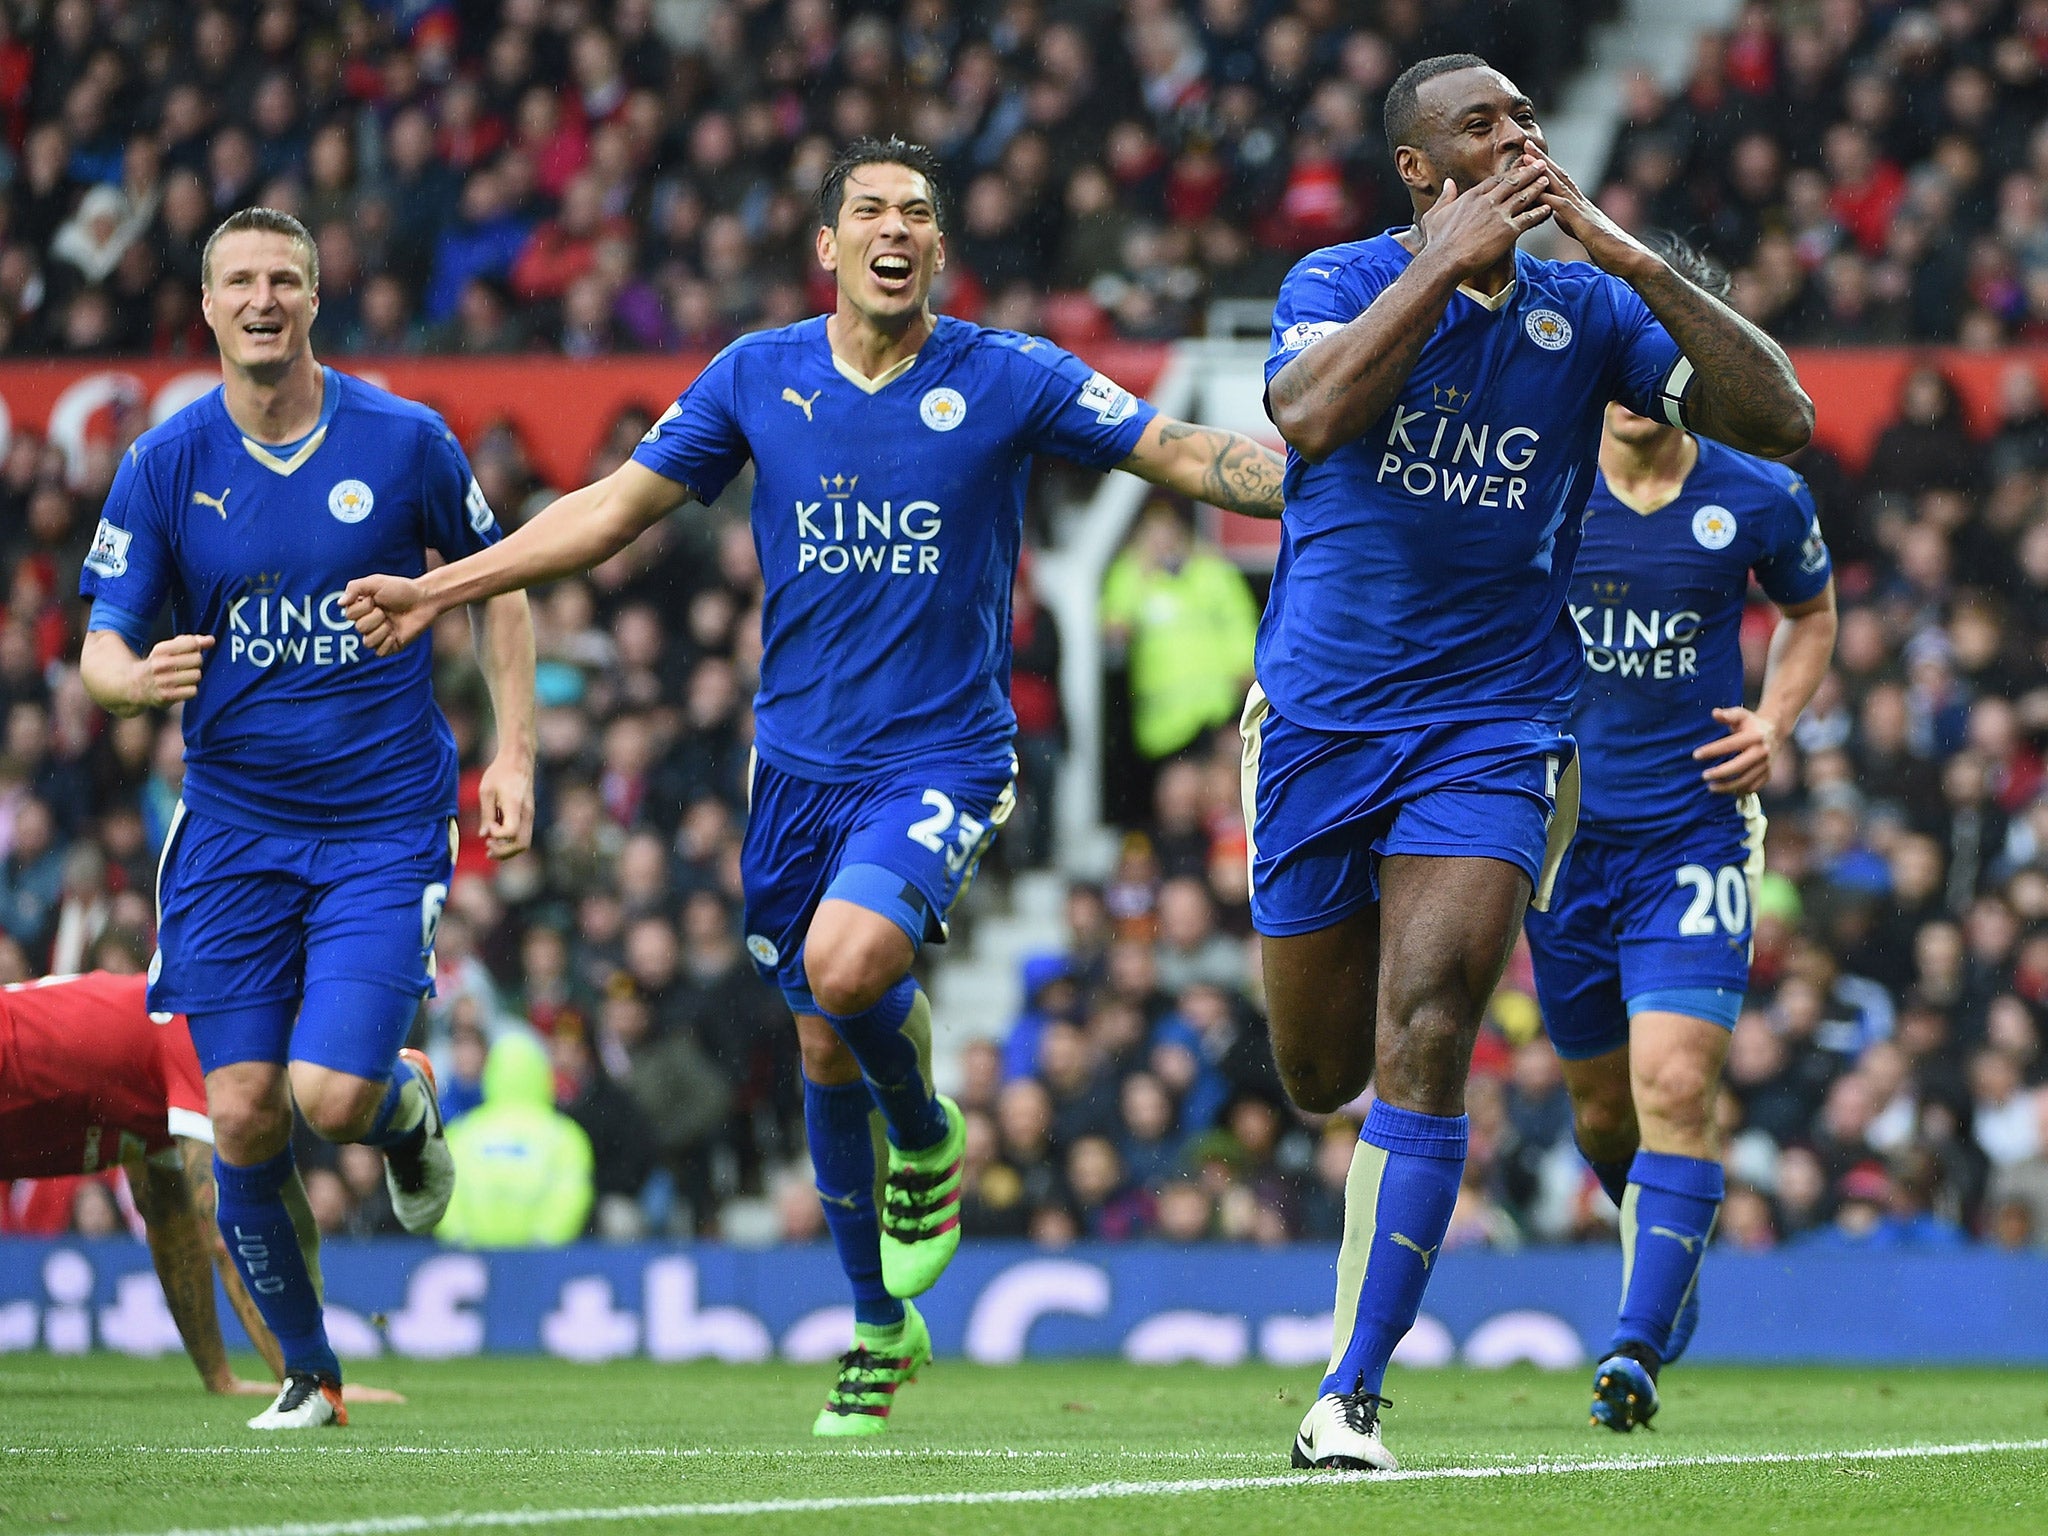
(881, 1360)
(920, 1209)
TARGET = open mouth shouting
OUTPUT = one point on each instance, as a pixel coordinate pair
(892, 271)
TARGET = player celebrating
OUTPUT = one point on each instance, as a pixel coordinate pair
(90, 1079)
(892, 448)
(304, 872)
(1409, 782)
(1643, 958)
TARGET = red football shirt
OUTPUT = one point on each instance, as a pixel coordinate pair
(87, 1074)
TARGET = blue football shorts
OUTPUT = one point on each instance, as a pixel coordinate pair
(1324, 807)
(1657, 925)
(282, 947)
(903, 844)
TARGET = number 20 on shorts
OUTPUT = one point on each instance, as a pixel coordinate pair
(1723, 893)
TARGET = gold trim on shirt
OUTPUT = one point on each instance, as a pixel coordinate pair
(1497, 302)
(271, 461)
(880, 381)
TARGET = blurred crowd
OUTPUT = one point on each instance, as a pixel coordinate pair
(597, 176)
(1874, 172)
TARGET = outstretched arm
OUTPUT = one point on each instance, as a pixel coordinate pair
(1343, 383)
(503, 630)
(176, 1203)
(571, 534)
(185, 1245)
(1800, 652)
(1745, 392)
(1225, 469)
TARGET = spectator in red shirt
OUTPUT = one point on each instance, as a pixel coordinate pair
(564, 248)
(552, 138)
(1868, 188)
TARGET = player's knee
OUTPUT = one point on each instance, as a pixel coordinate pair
(342, 1111)
(1605, 1126)
(1315, 1081)
(248, 1130)
(1318, 1092)
(848, 978)
(331, 1123)
(1678, 1092)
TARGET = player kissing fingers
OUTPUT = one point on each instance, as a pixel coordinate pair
(1474, 229)
(1577, 215)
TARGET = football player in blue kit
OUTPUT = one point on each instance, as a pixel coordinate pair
(1643, 958)
(306, 865)
(891, 449)
(1409, 778)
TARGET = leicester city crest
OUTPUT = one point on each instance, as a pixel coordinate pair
(1714, 527)
(943, 409)
(350, 501)
(1548, 329)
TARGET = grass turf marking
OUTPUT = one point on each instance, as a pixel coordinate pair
(659, 1452)
(398, 1525)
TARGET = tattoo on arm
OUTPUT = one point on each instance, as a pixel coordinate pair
(181, 1250)
(1745, 392)
(1330, 393)
(201, 1196)
(1233, 471)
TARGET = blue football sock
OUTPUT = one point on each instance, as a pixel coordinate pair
(843, 1159)
(1397, 1208)
(402, 1116)
(1667, 1217)
(1613, 1177)
(888, 1060)
(270, 1234)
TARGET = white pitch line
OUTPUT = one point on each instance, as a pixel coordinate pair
(877, 1453)
(399, 1525)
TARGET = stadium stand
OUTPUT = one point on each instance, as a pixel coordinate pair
(594, 178)
(585, 179)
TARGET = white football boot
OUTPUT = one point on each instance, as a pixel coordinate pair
(1342, 1433)
(422, 1184)
(305, 1401)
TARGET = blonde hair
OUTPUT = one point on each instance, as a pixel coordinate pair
(271, 221)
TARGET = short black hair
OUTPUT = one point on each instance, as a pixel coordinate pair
(271, 221)
(873, 151)
(1690, 263)
(1402, 113)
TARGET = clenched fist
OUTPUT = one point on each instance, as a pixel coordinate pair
(389, 612)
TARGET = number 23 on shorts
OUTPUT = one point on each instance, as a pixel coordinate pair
(931, 831)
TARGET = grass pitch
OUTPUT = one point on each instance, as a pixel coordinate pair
(109, 1445)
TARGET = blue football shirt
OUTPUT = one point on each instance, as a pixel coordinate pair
(1423, 566)
(1657, 606)
(887, 515)
(297, 726)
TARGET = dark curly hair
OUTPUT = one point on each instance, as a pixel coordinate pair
(1690, 263)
